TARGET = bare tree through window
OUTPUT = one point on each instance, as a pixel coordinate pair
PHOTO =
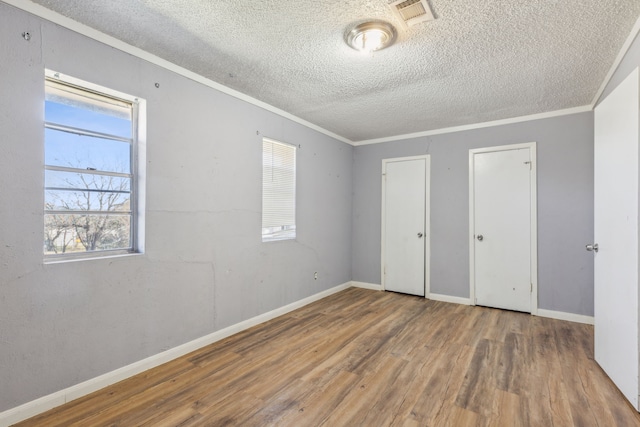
(89, 179)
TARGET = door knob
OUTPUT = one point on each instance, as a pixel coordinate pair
(419, 235)
(593, 247)
(480, 237)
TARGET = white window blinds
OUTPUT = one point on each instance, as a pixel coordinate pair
(278, 190)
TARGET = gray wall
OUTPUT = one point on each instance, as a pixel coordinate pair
(205, 267)
(565, 206)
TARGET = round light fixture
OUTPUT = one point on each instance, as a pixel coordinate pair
(371, 36)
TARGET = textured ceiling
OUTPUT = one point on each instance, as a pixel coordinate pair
(480, 60)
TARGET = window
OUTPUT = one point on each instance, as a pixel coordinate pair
(90, 147)
(278, 191)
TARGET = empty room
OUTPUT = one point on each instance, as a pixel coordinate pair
(376, 213)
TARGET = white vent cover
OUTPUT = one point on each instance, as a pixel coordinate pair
(412, 12)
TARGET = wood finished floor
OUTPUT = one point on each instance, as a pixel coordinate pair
(370, 358)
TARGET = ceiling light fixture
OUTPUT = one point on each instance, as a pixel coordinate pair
(371, 36)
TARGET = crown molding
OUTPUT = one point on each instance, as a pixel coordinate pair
(616, 63)
(56, 18)
(63, 21)
(461, 128)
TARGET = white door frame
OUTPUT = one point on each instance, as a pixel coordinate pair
(427, 219)
(534, 220)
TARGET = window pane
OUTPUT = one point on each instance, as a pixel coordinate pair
(77, 180)
(278, 233)
(95, 120)
(86, 209)
(78, 151)
(82, 233)
(87, 201)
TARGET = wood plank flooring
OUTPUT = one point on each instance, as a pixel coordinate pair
(367, 358)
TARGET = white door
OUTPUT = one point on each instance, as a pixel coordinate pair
(501, 226)
(404, 224)
(616, 232)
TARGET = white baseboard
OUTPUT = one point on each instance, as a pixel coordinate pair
(449, 298)
(365, 285)
(43, 404)
(561, 315)
(38, 406)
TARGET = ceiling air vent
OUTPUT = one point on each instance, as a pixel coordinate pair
(412, 12)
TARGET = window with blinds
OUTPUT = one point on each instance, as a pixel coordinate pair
(278, 191)
(90, 171)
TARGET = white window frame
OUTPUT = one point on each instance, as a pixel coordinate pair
(136, 173)
(283, 231)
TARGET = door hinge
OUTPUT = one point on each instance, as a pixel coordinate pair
(531, 289)
(530, 164)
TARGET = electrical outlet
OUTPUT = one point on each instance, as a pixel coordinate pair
(315, 276)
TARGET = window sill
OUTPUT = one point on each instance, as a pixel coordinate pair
(93, 257)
